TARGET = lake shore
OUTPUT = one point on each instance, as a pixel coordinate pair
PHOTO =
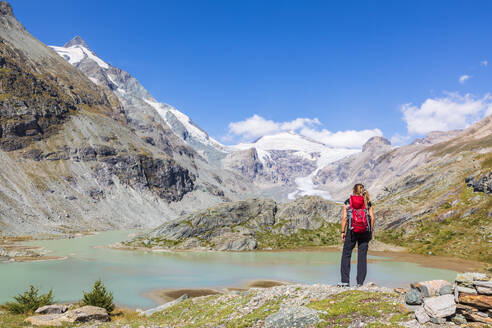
(376, 248)
(161, 296)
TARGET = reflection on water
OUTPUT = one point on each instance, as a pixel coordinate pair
(131, 273)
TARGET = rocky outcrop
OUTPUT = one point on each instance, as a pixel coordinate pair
(242, 225)
(376, 144)
(52, 309)
(443, 302)
(86, 313)
(481, 183)
(246, 162)
(293, 316)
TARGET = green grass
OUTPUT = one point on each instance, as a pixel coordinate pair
(376, 309)
(344, 308)
(459, 235)
(153, 242)
(327, 235)
(248, 320)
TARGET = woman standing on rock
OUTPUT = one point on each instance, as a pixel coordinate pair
(357, 227)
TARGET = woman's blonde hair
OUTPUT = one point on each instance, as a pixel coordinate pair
(359, 190)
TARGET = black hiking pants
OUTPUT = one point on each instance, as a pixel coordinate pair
(362, 241)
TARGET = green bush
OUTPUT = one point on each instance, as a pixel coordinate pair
(29, 301)
(99, 296)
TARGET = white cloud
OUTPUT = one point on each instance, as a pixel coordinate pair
(257, 126)
(484, 63)
(463, 78)
(453, 111)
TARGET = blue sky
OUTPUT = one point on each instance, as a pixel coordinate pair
(352, 65)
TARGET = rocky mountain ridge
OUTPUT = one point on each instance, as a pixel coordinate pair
(272, 163)
(75, 157)
(378, 165)
(144, 113)
(249, 225)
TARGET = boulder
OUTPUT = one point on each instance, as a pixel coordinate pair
(478, 301)
(86, 313)
(294, 316)
(52, 309)
(440, 306)
(467, 278)
(52, 320)
(413, 297)
(421, 316)
(483, 287)
(432, 287)
(466, 290)
(446, 289)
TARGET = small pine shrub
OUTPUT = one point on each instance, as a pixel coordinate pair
(29, 301)
(99, 297)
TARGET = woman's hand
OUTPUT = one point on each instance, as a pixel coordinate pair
(343, 236)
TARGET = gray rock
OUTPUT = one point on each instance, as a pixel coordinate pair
(431, 287)
(413, 297)
(458, 319)
(483, 287)
(481, 183)
(294, 316)
(162, 307)
(438, 321)
(86, 313)
(46, 320)
(421, 316)
(444, 290)
(52, 309)
(440, 306)
(468, 290)
(467, 278)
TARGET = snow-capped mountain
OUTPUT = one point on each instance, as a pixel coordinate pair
(286, 160)
(138, 103)
(280, 165)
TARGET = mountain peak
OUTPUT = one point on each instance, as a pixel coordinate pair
(5, 9)
(77, 41)
(376, 143)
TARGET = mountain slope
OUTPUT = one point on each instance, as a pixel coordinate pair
(376, 166)
(139, 105)
(443, 206)
(72, 158)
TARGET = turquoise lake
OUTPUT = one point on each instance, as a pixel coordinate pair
(129, 274)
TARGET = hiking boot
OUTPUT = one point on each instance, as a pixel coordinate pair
(342, 284)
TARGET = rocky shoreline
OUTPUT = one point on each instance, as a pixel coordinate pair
(436, 303)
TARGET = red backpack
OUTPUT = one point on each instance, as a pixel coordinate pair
(357, 214)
